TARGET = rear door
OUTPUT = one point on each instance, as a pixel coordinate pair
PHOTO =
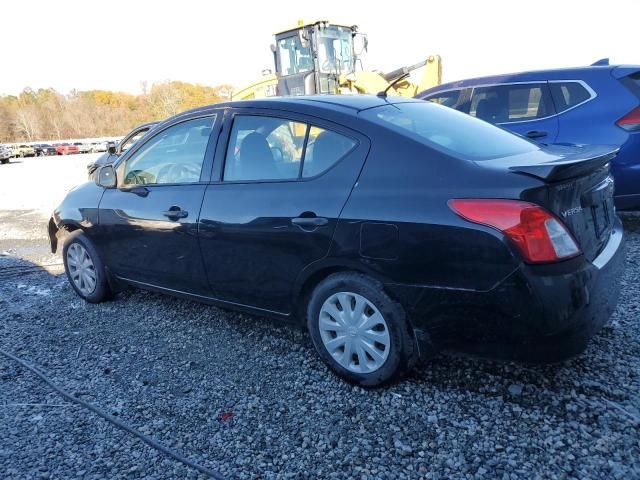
(281, 183)
(148, 225)
(524, 108)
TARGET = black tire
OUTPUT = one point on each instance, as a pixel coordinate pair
(5, 161)
(403, 351)
(102, 291)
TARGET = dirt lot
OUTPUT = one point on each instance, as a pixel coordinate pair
(248, 398)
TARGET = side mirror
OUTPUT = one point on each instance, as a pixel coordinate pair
(111, 148)
(106, 177)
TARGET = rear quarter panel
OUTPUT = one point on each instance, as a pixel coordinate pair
(408, 185)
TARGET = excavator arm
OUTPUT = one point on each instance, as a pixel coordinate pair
(374, 82)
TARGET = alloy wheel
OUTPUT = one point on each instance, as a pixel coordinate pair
(354, 332)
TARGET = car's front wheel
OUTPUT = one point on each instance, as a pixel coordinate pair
(359, 331)
(84, 268)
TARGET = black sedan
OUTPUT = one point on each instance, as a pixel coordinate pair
(392, 227)
(44, 149)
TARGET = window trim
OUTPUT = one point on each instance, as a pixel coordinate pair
(592, 95)
(120, 164)
(221, 157)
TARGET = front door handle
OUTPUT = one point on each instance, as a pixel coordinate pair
(536, 134)
(310, 221)
(175, 213)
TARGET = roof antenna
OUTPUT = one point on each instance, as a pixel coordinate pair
(383, 93)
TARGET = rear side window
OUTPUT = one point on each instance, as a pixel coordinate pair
(271, 148)
(567, 95)
(324, 150)
(450, 131)
(511, 103)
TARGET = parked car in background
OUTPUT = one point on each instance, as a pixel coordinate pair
(23, 151)
(6, 154)
(117, 149)
(302, 208)
(44, 149)
(99, 147)
(595, 104)
(83, 147)
(66, 148)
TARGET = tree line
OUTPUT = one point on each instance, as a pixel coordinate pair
(48, 115)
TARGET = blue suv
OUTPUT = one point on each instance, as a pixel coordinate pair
(598, 104)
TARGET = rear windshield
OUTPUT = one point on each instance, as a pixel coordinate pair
(450, 131)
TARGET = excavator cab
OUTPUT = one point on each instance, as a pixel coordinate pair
(310, 59)
(325, 58)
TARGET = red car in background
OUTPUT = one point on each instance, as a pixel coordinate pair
(66, 149)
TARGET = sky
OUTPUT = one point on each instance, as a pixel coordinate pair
(117, 45)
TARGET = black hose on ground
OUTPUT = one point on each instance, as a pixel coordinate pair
(118, 423)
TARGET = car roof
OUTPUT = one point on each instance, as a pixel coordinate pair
(571, 73)
(350, 104)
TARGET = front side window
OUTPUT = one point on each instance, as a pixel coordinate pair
(568, 94)
(450, 131)
(458, 99)
(130, 142)
(294, 58)
(174, 155)
(511, 103)
(270, 148)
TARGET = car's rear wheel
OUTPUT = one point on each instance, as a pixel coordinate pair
(359, 331)
(84, 268)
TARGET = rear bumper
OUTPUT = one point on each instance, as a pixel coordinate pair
(538, 314)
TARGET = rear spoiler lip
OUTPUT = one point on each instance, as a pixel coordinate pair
(566, 169)
(622, 71)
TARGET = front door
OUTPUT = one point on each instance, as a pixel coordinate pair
(281, 185)
(149, 223)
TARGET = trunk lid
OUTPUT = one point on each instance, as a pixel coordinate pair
(578, 188)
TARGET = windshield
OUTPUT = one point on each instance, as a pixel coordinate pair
(335, 50)
(450, 131)
(294, 58)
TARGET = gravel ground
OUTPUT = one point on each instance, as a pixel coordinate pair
(249, 398)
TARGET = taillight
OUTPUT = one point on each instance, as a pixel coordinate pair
(631, 121)
(539, 236)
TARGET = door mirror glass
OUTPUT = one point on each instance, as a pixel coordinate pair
(106, 177)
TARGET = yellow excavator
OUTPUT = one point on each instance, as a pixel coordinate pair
(325, 58)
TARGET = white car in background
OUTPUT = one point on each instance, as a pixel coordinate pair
(83, 147)
(6, 153)
(99, 147)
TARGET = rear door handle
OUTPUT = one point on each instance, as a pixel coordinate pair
(536, 134)
(310, 221)
(175, 213)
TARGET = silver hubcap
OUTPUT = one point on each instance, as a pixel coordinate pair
(81, 268)
(354, 332)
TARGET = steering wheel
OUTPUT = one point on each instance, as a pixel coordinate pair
(137, 179)
(178, 172)
(326, 65)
